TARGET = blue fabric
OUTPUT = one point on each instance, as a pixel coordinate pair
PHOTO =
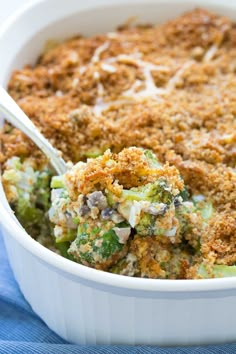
(21, 331)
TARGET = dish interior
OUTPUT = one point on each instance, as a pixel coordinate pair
(89, 22)
(32, 46)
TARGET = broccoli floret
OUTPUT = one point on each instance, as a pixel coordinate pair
(217, 271)
(184, 194)
(93, 153)
(57, 182)
(158, 198)
(31, 195)
(93, 246)
(151, 158)
(204, 206)
(126, 266)
(67, 235)
(63, 249)
(42, 185)
(110, 198)
(158, 191)
(134, 194)
(33, 219)
(110, 245)
(182, 213)
(146, 225)
(206, 211)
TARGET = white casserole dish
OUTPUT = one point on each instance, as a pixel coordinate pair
(81, 304)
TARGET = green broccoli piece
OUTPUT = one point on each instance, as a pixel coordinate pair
(43, 190)
(119, 266)
(110, 198)
(68, 236)
(207, 211)
(93, 246)
(110, 245)
(184, 194)
(32, 196)
(204, 206)
(155, 193)
(146, 225)
(93, 153)
(126, 266)
(151, 158)
(57, 182)
(33, 219)
(182, 214)
(63, 249)
(133, 194)
(158, 192)
(218, 271)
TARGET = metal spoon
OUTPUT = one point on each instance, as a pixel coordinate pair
(14, 114)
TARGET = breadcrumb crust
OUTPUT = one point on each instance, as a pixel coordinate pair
(170, 88)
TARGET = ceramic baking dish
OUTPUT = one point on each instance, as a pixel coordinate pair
(81, 304)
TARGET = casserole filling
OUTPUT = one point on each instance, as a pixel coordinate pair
(169, 90)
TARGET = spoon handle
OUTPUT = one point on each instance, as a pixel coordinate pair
(14, 114)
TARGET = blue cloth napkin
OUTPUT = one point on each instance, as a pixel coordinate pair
(22, 331)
